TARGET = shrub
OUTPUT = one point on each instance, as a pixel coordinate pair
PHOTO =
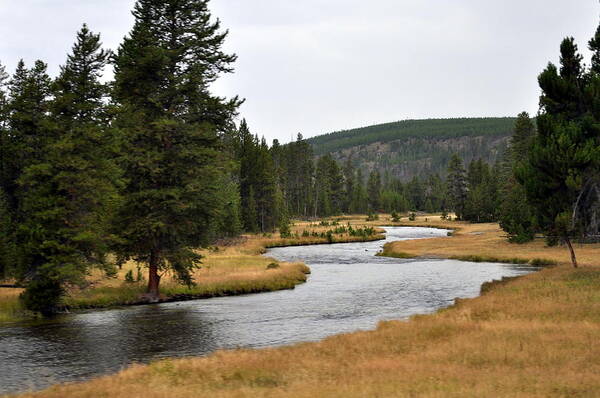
(42, 295)
(340, 230)
(111, 271)
(372, 217)
(129, 277)
(139, 276)
(330, 236)
(284, 228)
(412, 216)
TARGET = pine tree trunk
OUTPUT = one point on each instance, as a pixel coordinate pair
(153, 277)
(573, 257)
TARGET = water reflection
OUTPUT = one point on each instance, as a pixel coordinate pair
(349, 289)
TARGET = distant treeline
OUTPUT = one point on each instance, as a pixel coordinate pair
(280, 182)
(430, 128)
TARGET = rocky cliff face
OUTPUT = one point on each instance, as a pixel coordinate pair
(407, 158)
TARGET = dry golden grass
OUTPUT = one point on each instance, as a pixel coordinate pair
(538, 336)
(486, 241)
(10, 307)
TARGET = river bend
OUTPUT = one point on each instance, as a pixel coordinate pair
(350, 289)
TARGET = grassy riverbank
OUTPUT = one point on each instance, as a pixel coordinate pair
(231, 268)
(486, 243)
(536, 336)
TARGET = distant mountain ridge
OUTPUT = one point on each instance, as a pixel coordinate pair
(410, 148)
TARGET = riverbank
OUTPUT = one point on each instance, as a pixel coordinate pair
(229, 268)
(535, 336)
(486, 243)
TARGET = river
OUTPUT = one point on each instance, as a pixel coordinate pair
(349, 289)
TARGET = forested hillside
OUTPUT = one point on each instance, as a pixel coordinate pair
(412, 148)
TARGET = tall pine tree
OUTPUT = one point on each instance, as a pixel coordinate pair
(26, 134)
(7, 247)
(69, 191)
(565, 153)
(172, 159)
(516, 215)
(457, 186)
(374, 191)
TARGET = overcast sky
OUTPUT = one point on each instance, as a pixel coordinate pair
(316, 66)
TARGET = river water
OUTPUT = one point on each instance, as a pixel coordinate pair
(349, 289)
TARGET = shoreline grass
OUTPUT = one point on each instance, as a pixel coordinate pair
(11, 309)
(487, 243)
(286, 276)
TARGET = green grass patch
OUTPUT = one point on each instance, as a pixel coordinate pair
(536, 262)
(584, 279)
(395, 254)
(11, 310)
(322, 241)
(489, 286)
(104, 297)
(489, 259)
(542, 262)
(234, 287)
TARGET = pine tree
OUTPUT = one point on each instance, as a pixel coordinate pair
(266, 189)
(374, 191)
(251, 212)
(229, 219)
(258, 183)
(457, 186)
(337, 184)
(26, 134)
(248, 156)
(359, 196)
(69, 190)
(416, 194)
(3, 105)
(565, 151)
(515, 214)
(482, 196)
(299, 168)
(173, 159)
(324, 205)
(522, 138)
(436, 193)
(7, 247)
(350, 183)
(27, 113)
